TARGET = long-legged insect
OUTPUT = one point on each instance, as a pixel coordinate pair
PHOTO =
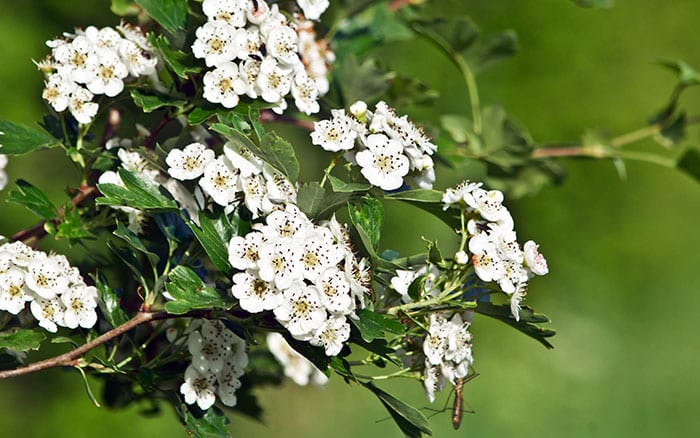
(457, 411)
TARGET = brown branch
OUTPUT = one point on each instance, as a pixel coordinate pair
(269, 116)
(70, 358)
(38, 231)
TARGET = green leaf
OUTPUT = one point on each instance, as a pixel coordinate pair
(179, 62)
(310, 198)
(690, 163)
(34, 199)
(171, 14)
(200, 115)
(368, 216)
(190, 293)
(672, 132)
(124, 8)
(151, 102)
(109, 303)
(430, 201)
(372, 325)
(366, 81)
(22, 339)
(213, 423)
(139, 193)
(458, 127)
(18, 139)
(279, 153)
(601, 4)
(411, 421)
(528, 319)
(687, 75)
(340, 186)
(213, 233)
(135, 243)
(72, 226)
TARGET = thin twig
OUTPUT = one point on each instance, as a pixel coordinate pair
(70, 358)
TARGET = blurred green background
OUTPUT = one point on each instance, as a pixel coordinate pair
(623, 285)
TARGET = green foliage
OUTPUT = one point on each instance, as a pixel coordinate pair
(18, 139)
(373, 325)
(138, 193)
(171, 14)
(410, 420)
(34, 199)
(213, 233)
(367, 216)
(21, 339)
(190, 293)
(212, 423)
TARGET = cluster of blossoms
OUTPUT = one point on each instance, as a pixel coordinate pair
(495, 251)
(296, 367)
(3, 175)
(306, 274)
(388, 148)
(448, 352)
(236, 171)
(219, 359)
(93, 62)
(55, 290)
(254, 51)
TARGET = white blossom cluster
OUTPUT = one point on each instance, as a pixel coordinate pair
(448, 352)
(296, 367)
(388, 148)
(236, 171)
(313, 9)
(315, 54)
(495, 251)
(3, 175)
(254, 51)
(93, 62)
(55, 290)
(306, 274)
(219, 359)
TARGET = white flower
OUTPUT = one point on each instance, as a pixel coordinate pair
(332, 334)
(435, 343)
(280, 263)
(45, 278)
(108, 74)
(21, 254)
(220, 181)
(105, 38)
(80, 303)
(433, 381)
(305, 93)
(274, 80)
(190, 162)
(279, 189)
(243, 252)
(383, 162)
(243, 159)
(223, 85)
(58, 91)
(335, 291)
(296, 367)
(486, 259)
(48, 312)
(401, 282)
(217, 42)
(255, 194)
(359, 109)
(336, 134)
(231, 12)
(313, 8)
(533, 259)
(77, 59)
(249, 72)
(516, 299)
(199, 388)
(489, 204)
(301, 312)
(138, 61)
(208, 352)
(458, 194)
(81, 105)
(255, 294)
(13, 291)
(281, 43)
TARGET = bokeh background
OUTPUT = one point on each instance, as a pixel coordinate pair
(623, 290)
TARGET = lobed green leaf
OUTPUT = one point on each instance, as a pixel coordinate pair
(189, 293)
(373, 325)
(22, 339)
(34, 199)
(18, 139)
(171, 14)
